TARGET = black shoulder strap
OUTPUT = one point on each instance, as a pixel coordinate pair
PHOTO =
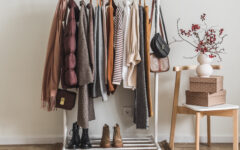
(164, 28)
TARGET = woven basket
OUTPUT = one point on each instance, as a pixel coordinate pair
(212, 84)
(205, 98)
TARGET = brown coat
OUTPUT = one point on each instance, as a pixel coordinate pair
(51, 75)
(110, 66)
(85, 75)
(147, 60)
(84, 56)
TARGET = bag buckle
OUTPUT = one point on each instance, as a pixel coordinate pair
(62, 101)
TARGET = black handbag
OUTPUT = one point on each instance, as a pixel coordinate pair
(160, 46)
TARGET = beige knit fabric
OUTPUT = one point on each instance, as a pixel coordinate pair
(133, 56)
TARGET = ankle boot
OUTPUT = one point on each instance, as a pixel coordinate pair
(117, 139)
(75, 141)
(105, 141)
(85, 141)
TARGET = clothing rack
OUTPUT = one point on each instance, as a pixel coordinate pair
(136, 143)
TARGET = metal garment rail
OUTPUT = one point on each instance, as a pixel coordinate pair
(143, 143)
(130, 143)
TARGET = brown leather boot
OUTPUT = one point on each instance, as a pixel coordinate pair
(105, 141)
(117, 139)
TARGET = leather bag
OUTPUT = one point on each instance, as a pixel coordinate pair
(65, 99)
(158, 64)
(159, 46)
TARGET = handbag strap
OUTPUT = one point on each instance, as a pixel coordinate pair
(153, 3)
(163, 24)
(161, 29)
(161, 20)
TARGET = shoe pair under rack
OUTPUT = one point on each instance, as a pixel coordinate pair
(76, 142)
(117, 139)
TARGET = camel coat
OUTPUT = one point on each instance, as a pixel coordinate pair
(110, 25)
(147, 60)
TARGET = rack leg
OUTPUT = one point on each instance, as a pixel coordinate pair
(156, 111)
(64, 129)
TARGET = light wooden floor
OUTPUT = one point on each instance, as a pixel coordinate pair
(204, 147)
(58, 147)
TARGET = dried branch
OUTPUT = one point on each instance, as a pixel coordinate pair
(175, 41)
(205, 39)
(191, 57)
(181, 35)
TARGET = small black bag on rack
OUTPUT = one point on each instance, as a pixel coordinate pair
(159, 46)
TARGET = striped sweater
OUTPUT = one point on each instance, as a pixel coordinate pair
(118, 46)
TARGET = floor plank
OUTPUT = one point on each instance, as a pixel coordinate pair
(32, 147)
(203, 147)
(58, 147)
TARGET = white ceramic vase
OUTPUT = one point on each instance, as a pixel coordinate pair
(204, 68)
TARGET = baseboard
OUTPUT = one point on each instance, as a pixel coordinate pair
(59, 139)
(30, 140)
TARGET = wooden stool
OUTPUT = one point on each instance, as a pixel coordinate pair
(225, 110)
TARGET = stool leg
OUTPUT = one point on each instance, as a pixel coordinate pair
(209, 130)
(197, 130)
(235, 129)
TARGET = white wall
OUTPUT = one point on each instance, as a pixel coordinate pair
(24, 30)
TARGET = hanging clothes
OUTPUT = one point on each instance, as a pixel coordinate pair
(105, 39)
(94, 88)
(101, 55)
(133, 57)
(147, 59)
(85, 74)
(98, 88)
(68, 75)
(84, 70)
(126, 21)
(51, 75)
(141, 116)
(110, 27)
(118, 46)
(90, 36)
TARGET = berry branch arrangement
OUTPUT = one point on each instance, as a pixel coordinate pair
(206, 40)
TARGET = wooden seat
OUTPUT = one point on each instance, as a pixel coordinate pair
(226, 110)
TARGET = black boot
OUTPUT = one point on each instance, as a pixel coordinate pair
(85, 142)
(75, 141)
